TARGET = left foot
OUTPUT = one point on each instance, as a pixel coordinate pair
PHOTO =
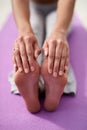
(54, 87)
(27, 85)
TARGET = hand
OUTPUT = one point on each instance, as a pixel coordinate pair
(25, 51)
(57, 50)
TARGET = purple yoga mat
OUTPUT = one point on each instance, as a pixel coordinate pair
(72, 111)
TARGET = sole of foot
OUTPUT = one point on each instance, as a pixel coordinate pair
(27, 84)
(54, 87)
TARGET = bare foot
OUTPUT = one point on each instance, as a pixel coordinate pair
(53, 86)
(28, 87)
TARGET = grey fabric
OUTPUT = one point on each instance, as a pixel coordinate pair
(42, 20)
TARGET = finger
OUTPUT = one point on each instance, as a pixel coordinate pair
(45, 48)
(67, 64)
(62, 62)
(14, 63)
(37, 50)
(58, 54)
(66, 67)
(30, 51)
(13, 56)
(52, 45)
(24, 56)
(17, 60)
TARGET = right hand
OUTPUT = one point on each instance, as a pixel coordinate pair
(25, 51)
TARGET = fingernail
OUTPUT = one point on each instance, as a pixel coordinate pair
(60, 73)
(55, 74)
(45, 53)
(36, 55)
(26, 70)
(14, 65)
(20, 69)
(32, 68)
(50, 71)
(66, 68)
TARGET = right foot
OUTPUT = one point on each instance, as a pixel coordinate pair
(28, 87)
(54, 87)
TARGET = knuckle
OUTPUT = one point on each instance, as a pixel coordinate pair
(24, 61)
(57, 58)
(16, 53)
(63, 56)
(23, 53)
(60, 42)
(19, 39)
(19, 64)
(51, 57)
(61, 67)
(53, 42)
(29, 38)
(31, 63)
(25, 64)
(29, 53)
(50, 42)
(56, 68)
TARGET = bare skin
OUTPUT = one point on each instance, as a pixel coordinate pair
(55, 77)
(53, 87)
(27, 84)
(28, 71)
(55, 48)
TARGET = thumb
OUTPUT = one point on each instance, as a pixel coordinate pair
(37, 50)
(45, 48)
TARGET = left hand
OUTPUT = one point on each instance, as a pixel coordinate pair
(57, 50)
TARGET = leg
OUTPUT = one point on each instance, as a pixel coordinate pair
(28, 83)
(54, 86)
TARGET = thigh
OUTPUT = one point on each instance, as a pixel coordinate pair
(50, 21)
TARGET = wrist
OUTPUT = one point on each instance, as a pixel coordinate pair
(60, 29)
(59, 33)
(25, 29)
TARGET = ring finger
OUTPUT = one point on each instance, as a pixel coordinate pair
(24, 57)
